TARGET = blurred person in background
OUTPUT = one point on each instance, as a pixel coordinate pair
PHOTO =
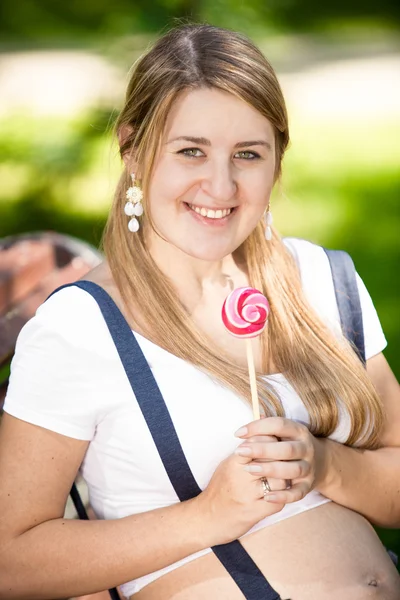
(202, 135)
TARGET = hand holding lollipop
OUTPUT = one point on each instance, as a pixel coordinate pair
(244, 314)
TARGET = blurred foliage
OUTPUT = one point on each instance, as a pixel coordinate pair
(341, 189)
(68, 23)
(54, 175)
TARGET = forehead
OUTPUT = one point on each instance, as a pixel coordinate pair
(214, 113)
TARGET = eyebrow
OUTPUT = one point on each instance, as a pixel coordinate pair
(205, 142)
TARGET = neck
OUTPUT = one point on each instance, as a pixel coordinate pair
(197, 281)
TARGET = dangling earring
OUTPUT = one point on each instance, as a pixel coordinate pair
(134, 208)
(268, 222)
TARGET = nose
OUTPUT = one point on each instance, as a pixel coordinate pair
(219, 182)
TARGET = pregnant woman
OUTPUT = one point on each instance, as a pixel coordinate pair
(131, 377)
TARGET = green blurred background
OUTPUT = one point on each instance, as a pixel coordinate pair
(63, 68)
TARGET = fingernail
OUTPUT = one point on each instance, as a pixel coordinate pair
(240, 432)
(270, 497)
(253, 468)
(243, 451)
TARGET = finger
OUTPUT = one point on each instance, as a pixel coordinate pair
(241, 458)
(277, 426)
(277, 484)
(293, 450)
(297, 492)
(262, 438)
(297, 469)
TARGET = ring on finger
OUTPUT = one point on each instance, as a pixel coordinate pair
(288, 484)
(265, 486)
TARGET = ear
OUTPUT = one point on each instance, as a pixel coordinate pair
(127, 154)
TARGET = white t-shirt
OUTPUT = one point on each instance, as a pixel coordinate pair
(66, 376)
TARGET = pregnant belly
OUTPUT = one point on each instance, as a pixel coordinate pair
(327, 553)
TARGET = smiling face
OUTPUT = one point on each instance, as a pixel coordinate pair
(213, 176)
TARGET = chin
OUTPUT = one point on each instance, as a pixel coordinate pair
(208, 254)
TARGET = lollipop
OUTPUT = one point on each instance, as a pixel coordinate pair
(244, 314)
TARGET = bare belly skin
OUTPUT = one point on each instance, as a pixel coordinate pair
(326, 553)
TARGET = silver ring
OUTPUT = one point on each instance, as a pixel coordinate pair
(266, 486)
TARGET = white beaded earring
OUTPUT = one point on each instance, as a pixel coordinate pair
(134, 207)
(268, 222)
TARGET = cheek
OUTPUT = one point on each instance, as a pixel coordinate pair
(256, 188)
(169, 183)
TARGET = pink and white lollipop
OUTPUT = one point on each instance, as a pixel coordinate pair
(245, 314)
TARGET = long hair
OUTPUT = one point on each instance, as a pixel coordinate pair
(319, 366)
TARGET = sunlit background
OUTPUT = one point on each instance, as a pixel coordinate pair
(63, 69)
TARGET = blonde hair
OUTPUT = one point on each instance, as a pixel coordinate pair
(320, 367)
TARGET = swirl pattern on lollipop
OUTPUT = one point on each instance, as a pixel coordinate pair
(245, 312)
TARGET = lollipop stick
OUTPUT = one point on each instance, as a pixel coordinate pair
(253, 381)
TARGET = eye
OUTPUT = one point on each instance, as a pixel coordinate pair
(247, 155)
(191, 152)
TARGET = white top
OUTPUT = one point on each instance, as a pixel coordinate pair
(66, 376)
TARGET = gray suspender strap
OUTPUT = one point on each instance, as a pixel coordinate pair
(348, 299)
(239, 564)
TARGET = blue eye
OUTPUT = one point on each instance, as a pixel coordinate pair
(191, 152)
(247, 155)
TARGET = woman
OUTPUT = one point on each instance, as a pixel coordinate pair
(203, 130)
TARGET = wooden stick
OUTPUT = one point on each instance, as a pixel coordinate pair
(253, 381)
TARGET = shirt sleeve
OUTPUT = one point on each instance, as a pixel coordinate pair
(374, 338)
(50, 381)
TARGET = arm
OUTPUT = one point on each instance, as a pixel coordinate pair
(44, 556)
(368, 481)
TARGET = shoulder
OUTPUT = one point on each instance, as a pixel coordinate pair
(318, 287)
(307, 254)
(70, 313)
(64, 366)
(70, 319)
(315, 274)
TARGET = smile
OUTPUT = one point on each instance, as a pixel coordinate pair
(210, 213)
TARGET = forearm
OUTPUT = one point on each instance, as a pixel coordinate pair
(67, 558)
(366, 481)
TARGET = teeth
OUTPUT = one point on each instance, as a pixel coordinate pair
(209, 213)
